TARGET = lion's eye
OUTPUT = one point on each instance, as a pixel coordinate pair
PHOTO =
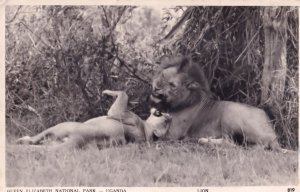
(172, 84)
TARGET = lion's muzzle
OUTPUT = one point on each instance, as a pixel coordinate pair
(157, 98)
(157, 95)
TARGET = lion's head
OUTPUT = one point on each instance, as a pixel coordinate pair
(158, 124)
(178, 83)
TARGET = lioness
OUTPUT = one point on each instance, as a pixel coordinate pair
(119, 126)
(180, 88)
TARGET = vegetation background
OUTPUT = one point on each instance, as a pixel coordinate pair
(60, 58)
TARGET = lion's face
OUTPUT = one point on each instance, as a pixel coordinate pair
(179, 83)
(159, 119)
(170, 88)
(159, 124)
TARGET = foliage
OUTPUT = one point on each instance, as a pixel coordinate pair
(60, 58)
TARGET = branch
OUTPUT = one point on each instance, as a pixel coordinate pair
(106, 18)
(257, 32)
(82, 84)
(14, 17)
(132, 73)
(186, 15)
(117, 21)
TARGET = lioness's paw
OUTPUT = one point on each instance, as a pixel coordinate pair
(26, 140)
(107, 92)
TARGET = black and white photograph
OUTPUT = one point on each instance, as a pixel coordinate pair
(151, 96)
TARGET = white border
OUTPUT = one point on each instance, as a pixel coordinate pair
(159, 3)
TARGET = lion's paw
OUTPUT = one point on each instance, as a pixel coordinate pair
(203, 140)
(211, 140)
(26, 140)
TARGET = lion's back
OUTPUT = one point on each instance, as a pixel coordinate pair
(243, 119)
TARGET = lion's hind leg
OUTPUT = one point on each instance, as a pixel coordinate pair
(27, 140)
(55, 133)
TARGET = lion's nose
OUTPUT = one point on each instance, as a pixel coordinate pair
(157, 92)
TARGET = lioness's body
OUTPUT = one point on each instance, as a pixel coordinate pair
(119, 126)
(77, 134)
(181, 89)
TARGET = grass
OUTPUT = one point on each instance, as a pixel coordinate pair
(158, 164)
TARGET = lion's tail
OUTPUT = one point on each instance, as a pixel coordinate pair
(275, 146)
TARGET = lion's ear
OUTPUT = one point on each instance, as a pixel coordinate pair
(193, 85)
(184, 64)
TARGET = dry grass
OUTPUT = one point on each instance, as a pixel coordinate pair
(160, 164)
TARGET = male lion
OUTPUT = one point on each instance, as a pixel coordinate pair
(119, 126)
(181, 89)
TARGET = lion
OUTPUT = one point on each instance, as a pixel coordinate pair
(181, 89)
(118, 127)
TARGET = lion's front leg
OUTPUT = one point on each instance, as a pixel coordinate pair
(205, 140)
(118, 110)
(119, 107)
(209, 140)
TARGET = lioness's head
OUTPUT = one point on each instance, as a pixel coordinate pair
(158, 124)
(178, 83)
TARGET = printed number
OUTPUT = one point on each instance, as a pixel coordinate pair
(291, 190)
(202, 190)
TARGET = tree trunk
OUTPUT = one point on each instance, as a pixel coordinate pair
(275, 64)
